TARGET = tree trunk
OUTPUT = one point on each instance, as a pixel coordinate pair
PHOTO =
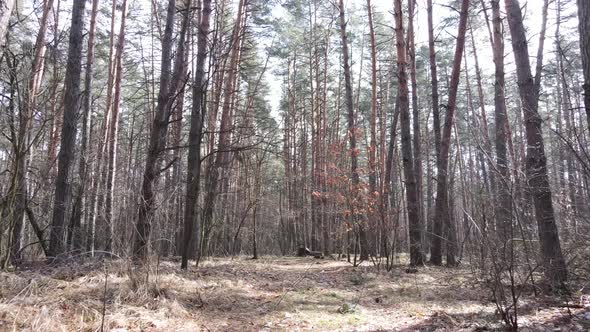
(373, 142)
(56, 110)
(114, 130)
(435, 102)
(417, 138)
(416, 257)
(198, 112)
(355, 179)
(221, 161)
(443, 217)
(538, 181)
(169, 81)
(69, 129)
(21, 141)
(76, 236)
(584, 28)
(433, 82)
(504, 208)
(100, 169)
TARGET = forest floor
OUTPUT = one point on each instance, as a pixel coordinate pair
(269, 294)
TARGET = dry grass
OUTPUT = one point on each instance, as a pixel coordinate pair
(271, 294)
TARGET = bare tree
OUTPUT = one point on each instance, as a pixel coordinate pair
(584, 28)
(416, 256)
(198, 112)
(352, 131)
(443, 218)
(538, 181)
(504, 210)
(75, 236)
(169, 81)
(57, 242)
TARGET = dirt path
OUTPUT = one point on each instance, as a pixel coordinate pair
(271, 294)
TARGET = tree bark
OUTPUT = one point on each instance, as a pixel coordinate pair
(354, 175)
(113, 131)
(584, 28)
(442, 213)
(221, 162)
(65, 157)
(198, 112)
(76, 236)
(536, 161)
(169, 81)
(156, 143)
(417, 138)
(416, 256)
(433, 82)
(373, 142)
(504, 208)
(100, 169)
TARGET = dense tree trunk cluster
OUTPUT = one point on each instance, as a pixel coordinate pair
(199, 128)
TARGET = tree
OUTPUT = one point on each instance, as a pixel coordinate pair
(57, 242)
(169, 82)
(198, 112)
(416, 256)
(75, 236)
(584, 28)
(504, 214)
(113, 130)
(222, 160)
(536, 166)
(417, 138)
(442, 212)
(352, 131)
(373, 143)
(434, 96)
(100, 171)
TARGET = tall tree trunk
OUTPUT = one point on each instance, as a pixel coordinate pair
(198, 112)
(177, 203)
(169, 81)
(417, 138)
(221, 161)
(76, 236)
(433, 82)
(100, 167)
(416, 257)
(69, 129)
(113, 131)
(355, 179)
(504, 208)
(435, 101)
(18, 187)
(540, 49)
(374, 190)
(584, 28)
(538, 181)
(443, 216)
(56, 110)
(21, 141)
(373, 142)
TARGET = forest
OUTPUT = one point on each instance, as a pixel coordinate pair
(294, 165)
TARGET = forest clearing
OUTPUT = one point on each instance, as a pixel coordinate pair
(270, 294)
